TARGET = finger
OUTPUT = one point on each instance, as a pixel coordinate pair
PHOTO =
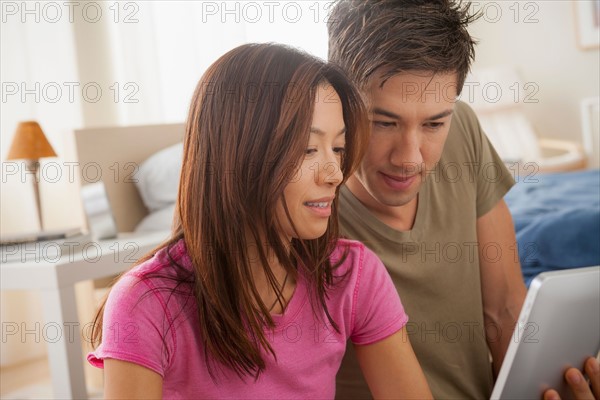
(592, 369)
(551, 394)
(581, 390)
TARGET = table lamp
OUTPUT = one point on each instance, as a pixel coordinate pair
(30, 143)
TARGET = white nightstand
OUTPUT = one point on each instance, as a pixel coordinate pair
(55, 278)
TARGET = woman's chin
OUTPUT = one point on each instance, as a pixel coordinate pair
(312, 235)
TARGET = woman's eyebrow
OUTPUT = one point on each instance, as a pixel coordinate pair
(321, 133)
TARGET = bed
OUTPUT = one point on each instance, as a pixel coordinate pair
(557, 216)
(118, 153)
(557, 221)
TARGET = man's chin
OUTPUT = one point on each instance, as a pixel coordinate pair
(395, 198)
(396, 201)
(376, 193)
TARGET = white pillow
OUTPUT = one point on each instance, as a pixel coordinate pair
(160, 220)
(157, 179)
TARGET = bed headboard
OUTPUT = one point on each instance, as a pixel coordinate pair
(116, 153)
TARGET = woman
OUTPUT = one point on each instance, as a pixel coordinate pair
(254, 296)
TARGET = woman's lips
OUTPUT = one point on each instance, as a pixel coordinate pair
(321, 207)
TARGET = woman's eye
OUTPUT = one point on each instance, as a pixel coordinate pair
(310, 151)
(339, 150)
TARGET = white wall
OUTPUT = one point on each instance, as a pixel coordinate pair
(540, 40)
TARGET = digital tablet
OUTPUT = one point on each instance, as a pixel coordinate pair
(558, 328)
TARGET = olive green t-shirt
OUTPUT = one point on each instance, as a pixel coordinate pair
(435, 265)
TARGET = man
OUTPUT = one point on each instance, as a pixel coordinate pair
(427, 197)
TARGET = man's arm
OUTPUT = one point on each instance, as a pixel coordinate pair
(502, 286)
(503, 293)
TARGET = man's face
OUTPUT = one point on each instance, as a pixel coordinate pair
(410, 119)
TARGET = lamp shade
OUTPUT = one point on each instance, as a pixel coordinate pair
(30, 143)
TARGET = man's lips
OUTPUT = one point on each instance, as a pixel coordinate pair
(398, 182)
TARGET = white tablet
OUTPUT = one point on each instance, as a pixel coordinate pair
(558, 328)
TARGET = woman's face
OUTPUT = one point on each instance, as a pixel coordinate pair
(311, 191)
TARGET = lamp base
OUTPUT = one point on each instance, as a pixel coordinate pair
(34, 167)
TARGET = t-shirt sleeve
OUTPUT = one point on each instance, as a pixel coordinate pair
(377, 309)
(494, 180)
(135, 326)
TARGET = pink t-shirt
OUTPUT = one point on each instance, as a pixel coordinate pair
(145, 325)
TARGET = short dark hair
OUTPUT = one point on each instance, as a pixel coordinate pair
(400, 36)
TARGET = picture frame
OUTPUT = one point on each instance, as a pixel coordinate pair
(587, 23)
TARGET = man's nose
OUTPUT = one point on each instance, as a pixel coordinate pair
(406, 151)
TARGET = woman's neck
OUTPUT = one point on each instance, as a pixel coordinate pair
(284, 281)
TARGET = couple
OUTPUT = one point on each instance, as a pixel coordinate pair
(255, 295)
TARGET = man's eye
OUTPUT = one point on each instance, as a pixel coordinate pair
(384, 124)
(434, 125)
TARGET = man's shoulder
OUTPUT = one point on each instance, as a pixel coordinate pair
(464, 113)
(464, 137)
(464, 121)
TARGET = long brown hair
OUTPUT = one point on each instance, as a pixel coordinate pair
(246, 133)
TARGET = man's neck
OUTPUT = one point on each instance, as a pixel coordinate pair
(401, 218)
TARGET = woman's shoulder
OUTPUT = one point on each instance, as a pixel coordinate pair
(353, 248)
(163, 270)
(355, 255)
(164, 261)
(365, 294)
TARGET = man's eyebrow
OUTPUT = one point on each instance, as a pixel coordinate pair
(321, 133)
(441, 115)
(389, 114)
(385, 113)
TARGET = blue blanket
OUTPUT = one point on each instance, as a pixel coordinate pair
(557, 220)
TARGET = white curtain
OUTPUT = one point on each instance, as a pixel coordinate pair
(163, 55)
